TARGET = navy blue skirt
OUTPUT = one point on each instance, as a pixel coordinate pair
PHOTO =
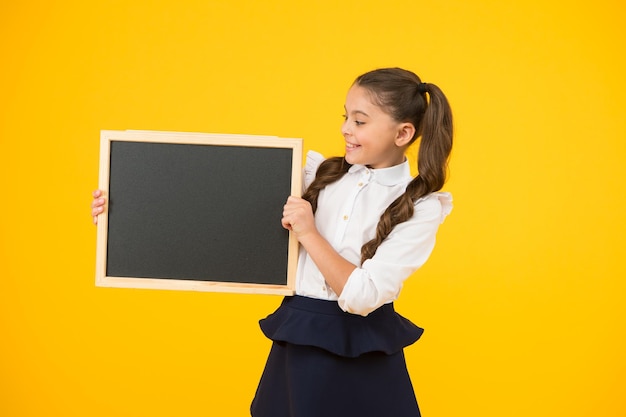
(326, 363)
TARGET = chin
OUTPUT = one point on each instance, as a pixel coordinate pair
(352, 159)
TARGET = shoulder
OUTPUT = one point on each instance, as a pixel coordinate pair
(435, 205)
(313, 161)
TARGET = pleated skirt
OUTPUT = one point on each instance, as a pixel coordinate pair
(328, 363)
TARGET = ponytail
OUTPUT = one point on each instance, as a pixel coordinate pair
(432, 165)
(436, 143)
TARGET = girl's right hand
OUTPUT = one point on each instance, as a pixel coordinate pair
(97, 205)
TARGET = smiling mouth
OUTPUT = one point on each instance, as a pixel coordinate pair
(352, 146)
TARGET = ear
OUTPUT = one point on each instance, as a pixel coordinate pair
(405, 134)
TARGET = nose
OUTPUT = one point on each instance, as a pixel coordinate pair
(345, 130)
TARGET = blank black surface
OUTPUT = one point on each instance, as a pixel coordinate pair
(198, 212)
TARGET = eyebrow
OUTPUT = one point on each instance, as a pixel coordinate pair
(356, 112)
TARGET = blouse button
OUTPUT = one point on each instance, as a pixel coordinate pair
(360, 184)
(345, 217)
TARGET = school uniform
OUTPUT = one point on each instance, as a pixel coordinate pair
(342, 355)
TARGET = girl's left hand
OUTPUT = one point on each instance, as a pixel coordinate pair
(298, 217)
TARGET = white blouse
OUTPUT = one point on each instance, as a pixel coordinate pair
(347, 214)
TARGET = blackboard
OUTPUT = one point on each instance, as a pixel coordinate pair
(192, 211)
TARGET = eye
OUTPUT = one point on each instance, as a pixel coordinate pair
(356, 122)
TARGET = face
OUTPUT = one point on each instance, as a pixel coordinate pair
(372, 136)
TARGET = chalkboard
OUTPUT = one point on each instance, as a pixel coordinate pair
(201, 212)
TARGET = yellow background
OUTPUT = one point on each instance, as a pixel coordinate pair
(523, 298)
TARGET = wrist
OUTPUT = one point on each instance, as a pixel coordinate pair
(310, 239)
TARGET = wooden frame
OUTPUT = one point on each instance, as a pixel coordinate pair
(209, 143)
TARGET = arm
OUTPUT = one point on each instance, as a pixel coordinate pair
(379, 280)
(362, 289)
(298, 218)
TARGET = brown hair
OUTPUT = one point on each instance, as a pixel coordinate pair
(402, 95)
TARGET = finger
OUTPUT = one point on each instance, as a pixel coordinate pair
(97, 202)
(289, 209)
(291, 200)
(288, 205)
(286, 224)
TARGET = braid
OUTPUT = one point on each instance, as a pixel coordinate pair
(329, 171)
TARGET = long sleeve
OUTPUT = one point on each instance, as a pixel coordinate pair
(379, 280)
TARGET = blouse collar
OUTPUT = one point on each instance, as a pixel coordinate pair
(397, 174)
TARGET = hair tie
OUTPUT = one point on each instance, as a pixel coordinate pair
(422, 88)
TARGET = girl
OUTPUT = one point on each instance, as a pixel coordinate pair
(364, 225)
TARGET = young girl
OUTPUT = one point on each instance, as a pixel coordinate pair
(364, 225)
